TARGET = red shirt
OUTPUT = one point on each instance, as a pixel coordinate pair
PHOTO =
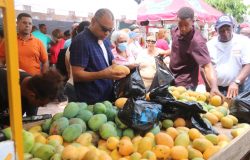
(55, 49)
(188, 53)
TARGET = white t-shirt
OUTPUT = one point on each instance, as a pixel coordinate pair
(135, 48)
(147, 67)
(105, 53)
(229, 57)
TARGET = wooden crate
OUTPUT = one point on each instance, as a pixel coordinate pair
(236, 149)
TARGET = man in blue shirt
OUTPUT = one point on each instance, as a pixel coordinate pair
(41, 34)
(91, 60)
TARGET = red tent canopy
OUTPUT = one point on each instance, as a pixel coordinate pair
(155, 10)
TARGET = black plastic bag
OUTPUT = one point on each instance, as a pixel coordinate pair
(140, 115)
(163, 75)
(172, 109)
(241, 107)
(203, 126)
(161, 95)
(130, 86)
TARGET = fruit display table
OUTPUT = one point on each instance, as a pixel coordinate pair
(236, 149)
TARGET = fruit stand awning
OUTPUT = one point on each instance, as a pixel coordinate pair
(156, 10)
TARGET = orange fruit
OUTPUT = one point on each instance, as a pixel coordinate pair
(122, 68)
(161, 151)
(181, 89)
(164, 139)
(226, 122)
(210, 151)
(150, 134)
(194, 133)
(201, 97)
(223, 137)
(176, 94)
(179, 122)
(125, 147)
(215, 100)
(202, 144)
(172, 132)
(211, 117)
(56, 137)
(120, 102)
(112, 143)
(179, 152)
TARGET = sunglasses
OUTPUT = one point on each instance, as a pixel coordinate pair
(151, 41)
(122, 42)
(105, 29)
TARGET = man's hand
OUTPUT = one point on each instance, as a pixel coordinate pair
(215, 91)
(233, 90)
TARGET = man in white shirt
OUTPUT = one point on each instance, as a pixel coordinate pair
(230, 55)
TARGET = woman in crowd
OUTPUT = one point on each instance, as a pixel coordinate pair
(121, 52)
(146, 61)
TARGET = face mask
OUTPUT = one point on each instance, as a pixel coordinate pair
(133, 34)
(122, 46)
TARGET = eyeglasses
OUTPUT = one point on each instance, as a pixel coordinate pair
(151, 41)
(122, 42)
(105, 29)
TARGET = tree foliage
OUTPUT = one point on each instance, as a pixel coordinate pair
(236, 8)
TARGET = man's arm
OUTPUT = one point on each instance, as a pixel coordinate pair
(80, 75)
(233, 88)
(211, 78)
(45, 66)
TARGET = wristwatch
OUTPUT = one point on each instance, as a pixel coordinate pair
(237, 81)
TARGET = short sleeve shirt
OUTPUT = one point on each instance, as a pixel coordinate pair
(31, 54)
(43, 37)
(229, 57)
(162, 44)
(85, 52)
(188, 53)
(118, 59)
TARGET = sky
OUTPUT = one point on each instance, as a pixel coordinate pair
(82, 7)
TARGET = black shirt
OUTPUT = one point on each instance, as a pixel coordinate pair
(4, 105)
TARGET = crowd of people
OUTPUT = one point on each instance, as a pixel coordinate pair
(81, 61)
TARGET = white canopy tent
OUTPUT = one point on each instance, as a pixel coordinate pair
(127, 8)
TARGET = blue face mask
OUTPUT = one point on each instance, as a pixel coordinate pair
(122, 46)
(133, 34)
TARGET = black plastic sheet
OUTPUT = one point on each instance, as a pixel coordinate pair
(241, 107)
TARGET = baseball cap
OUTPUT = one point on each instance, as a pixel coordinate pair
(224, 20)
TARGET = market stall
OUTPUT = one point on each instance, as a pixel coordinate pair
(166, 10)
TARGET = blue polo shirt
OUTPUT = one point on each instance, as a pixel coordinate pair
(43, 37)
(87, 53)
